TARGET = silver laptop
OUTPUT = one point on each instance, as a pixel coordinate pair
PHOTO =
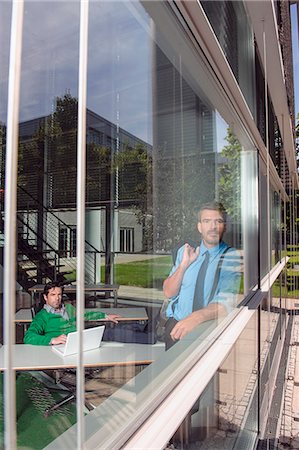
(92, 338)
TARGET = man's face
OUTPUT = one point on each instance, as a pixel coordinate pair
(54, 297)
(211, 227)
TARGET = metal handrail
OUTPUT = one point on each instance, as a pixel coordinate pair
(54, 215)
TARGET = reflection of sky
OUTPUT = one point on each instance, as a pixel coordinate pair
(5, 19)
(119, 83)
(295, 34)
(119, 86)
(221, 132)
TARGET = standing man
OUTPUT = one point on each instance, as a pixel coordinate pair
(51, 325)
(204, 280)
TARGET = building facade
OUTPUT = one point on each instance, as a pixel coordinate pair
(118, 121)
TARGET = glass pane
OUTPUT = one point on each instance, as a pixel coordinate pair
(225, 415)
(233, 30)
(5, 19)
(46, 180)
(167, 183)
(158, 150)
(276, 228)
(264, 230)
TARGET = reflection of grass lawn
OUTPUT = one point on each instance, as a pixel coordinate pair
(292, 288)
(284, 291)
(147, 273)
(152, 272)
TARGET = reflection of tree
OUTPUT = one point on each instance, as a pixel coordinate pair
(134, 169)
(49, 155)
(182, 183)
(66, 112)
(98, 174)
(229, 183)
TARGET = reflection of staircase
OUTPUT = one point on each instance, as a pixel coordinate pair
(39, 258)
(34, 266)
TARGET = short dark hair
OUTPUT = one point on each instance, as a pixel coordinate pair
(213, 206)
(51, 285)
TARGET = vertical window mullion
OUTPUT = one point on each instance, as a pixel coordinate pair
(10, 246)
(81, 177)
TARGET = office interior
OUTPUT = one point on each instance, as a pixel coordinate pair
(117, 120)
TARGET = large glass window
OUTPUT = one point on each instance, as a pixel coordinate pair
(171, 216)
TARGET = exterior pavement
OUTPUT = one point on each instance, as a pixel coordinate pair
(289, 430)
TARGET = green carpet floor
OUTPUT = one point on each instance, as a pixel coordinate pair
(34, 429)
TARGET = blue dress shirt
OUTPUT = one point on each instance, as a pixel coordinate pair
(228, 286)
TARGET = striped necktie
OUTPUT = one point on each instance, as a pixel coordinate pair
(198, 299)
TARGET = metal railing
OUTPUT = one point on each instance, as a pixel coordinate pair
(38, 249)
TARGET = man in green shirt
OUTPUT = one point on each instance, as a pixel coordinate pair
(51, 325)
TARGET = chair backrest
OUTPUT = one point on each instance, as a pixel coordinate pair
(37, 307)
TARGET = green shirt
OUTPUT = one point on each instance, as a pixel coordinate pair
(46, 326)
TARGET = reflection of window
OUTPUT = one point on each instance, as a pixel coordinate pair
(62, 242)
(126, 240)
(67, 241)
(73, 241)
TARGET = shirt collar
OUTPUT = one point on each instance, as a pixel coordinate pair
(50, 309)
(212, 251)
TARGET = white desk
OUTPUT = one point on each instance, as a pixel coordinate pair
(135, 314)
(40, 357)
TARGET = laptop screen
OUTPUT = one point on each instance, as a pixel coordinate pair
(92, 338)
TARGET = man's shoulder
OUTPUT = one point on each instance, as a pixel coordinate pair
(42, 314)
(231, 252)
(231, 257)
(70, 308)
(228, 249)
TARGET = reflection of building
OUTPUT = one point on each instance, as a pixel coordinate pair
(189, 70)
(116, 209)
(185, 153)
(56, 190)
(50, 142)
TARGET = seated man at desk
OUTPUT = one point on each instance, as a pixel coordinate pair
(204, 281)
(51, 325)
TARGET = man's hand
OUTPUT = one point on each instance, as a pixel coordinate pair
(113, 317)
(59, 340)
(172, 284)
(210, 312)
(184, 326)
(190, 254)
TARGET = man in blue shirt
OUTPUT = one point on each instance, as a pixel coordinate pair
(204, 281)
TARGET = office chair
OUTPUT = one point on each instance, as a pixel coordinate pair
(58, 376)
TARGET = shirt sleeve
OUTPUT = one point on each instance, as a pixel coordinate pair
(229, 281)
(94, 315)
(36, 332)
(171, 300)
(88, 315)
